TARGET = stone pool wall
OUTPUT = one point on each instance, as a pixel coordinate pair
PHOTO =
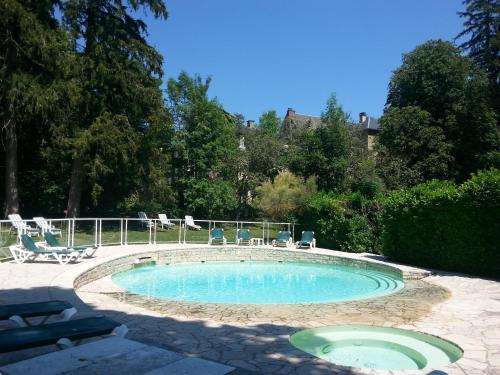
(211, 254)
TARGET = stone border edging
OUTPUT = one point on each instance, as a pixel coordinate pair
(185, 255)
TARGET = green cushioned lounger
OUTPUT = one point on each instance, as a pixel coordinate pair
(52, 241)
(19, 312)
(51, 334)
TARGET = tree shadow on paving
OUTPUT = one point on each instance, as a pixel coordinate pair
(262, 348)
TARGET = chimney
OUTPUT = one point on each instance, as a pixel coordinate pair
(250, 124)
(363, 117)
(290, 111)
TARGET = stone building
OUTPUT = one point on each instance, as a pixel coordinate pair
(369, 125)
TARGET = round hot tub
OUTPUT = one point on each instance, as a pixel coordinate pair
(257, 282)
(379, 348)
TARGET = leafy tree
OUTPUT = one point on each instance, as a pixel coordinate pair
(270, 123)
(454, 93)
(32, 53)
(409, 135)
(482, 25)
(328, 149)
(285, 197)
(261, 160)
(117, 79)
(205, 140)
(210, 198)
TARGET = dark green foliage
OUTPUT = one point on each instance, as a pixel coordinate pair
(409, 135)
(482, 25)
(209, 199)
(447, 91)
(324, 151)
(344, 222)
(440, 225)
(33, 52)
(270, 123)
(116, 75)
(205, 149)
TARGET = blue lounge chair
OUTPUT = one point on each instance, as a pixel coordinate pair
(307, 239)
(217, 237)
(284, 239)
(243, 237)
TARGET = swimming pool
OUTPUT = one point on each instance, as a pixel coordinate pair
(257, 282)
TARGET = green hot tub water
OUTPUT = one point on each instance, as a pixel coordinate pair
(379, 348)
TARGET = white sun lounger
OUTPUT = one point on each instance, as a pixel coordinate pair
(190, 223)
(21, 227)
(165, 222)
(46, 227)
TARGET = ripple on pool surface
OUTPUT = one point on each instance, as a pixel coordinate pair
(257, 282)
(378, 348)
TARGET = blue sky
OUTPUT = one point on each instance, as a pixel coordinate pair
(275, 54)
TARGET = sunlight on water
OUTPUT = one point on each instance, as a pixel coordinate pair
(257, 282)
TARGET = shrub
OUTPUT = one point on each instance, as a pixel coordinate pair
(440, 225)
(342, 221)
(285, 197)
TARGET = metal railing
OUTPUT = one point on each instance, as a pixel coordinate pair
(125, 231)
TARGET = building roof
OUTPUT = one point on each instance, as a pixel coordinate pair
(298, 119)
(295, 119)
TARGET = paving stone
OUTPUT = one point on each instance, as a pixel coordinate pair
(461, 309)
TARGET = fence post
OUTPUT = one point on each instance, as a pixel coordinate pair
(180, 230)
(121, 231)
(100, 232)
(268, 228)
(151, 222)
(209, 227)
(154, 234)
(96, 238)
(73, 233)
(185, 230)
(126, 231)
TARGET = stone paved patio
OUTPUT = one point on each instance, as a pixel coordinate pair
(462, 309)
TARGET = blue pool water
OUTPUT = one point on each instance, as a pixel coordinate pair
(257, 282)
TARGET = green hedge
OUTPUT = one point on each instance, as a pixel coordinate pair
(440, 225)
(344, 222)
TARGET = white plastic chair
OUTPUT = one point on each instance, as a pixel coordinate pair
(144, 220)
(21, 227)
(190, 223)
(164, 221)
(46, 227)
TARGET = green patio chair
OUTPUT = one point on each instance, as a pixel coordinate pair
(61, 334)
(284, 239)
(52, 242)
(28, 250)
(307, 239)
(217, 237)
(243, 237)
(20, 313)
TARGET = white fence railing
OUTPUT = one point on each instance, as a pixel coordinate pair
(124, 231)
